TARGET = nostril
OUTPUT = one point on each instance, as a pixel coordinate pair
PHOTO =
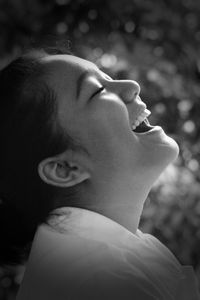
(128, 90)
(134, 90)
(129, 96)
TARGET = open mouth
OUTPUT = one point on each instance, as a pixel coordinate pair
(143, 127)
(141, 124)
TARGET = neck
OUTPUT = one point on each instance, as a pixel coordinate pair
(126, 215)
(123, 205)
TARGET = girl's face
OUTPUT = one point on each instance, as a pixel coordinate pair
(98, 112)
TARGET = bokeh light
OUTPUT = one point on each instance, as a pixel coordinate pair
(157, 44)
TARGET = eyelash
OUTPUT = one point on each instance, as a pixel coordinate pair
(98, 91)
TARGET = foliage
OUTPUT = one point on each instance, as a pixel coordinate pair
(157, 43)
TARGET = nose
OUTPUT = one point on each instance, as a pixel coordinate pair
(128, 90)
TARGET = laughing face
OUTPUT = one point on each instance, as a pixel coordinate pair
(107, 117)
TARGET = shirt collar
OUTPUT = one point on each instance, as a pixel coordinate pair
(73, 220)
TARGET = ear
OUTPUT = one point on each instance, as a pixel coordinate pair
(61, 173)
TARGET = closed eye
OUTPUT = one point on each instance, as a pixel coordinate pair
(97, 92)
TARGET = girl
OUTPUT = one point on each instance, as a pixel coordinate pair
(78, 159)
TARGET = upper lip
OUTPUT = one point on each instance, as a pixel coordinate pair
(141, 106)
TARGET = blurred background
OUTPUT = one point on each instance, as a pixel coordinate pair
(155, 42)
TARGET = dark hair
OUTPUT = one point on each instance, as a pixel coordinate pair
(29, 132)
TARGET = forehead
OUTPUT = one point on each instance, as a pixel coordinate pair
(63, 72)
(68, 65)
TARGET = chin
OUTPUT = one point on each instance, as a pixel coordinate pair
(158, 151)
(170, 147)
(160, 158)
(167, 152)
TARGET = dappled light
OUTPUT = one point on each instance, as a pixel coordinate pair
(157, 44)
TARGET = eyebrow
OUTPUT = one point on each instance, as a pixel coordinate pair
(81, 80)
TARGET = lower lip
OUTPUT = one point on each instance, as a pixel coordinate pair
(153, 130)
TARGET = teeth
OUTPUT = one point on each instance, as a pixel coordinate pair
(146, 113)
(137, 122)
(141, 118)
(133, 127)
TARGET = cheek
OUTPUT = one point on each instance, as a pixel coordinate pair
(105, 132)
(112, 147)
(110, 117)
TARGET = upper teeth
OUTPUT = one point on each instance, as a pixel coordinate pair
(141, 118)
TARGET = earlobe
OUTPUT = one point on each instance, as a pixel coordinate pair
(61, 174)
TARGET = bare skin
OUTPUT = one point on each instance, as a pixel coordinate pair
(121, 166)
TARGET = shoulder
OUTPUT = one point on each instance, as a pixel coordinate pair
(78, 265)
(112, 284)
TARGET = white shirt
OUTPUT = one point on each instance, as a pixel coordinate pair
(83, 255)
